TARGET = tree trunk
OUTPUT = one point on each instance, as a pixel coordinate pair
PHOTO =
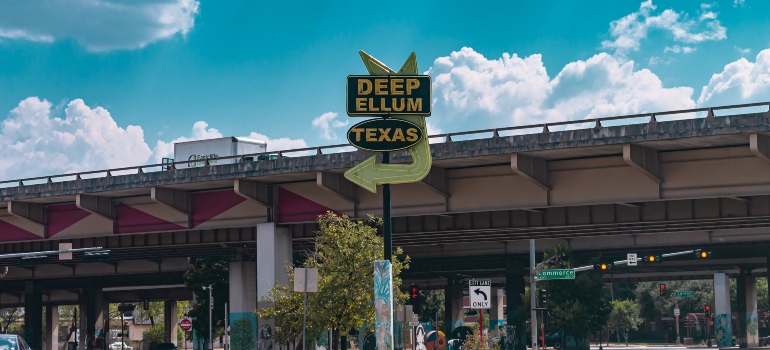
(335, 341)
(343, 343)
(625, 336)
(617, 335)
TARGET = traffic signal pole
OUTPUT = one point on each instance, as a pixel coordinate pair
(532, 296)
(625, 262)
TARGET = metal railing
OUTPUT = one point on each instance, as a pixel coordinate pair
(447, 137)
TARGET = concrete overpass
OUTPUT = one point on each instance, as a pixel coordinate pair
(597, 186)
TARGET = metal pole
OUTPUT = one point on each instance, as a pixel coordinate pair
(387, 228)
(122, 332)
(304, 316)
(532, 297)
(227, 339)
(211, 331)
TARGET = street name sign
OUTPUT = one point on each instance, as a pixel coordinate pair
(556, 274)
(631, 258)
(388, 95)
(185, 324)
(684, 294)
(384, 135)
(480, 292)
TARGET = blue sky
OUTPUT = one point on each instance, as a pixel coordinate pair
(88, 84)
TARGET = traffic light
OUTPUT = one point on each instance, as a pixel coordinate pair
(604, 266)
(652, 259)
(707, 310)
(711, 321)
(34, 260)
(702, 254)
(414, 297)
(543, 296)
(662, 290)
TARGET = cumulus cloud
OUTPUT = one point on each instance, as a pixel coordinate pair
(473, 92)
(740, 81)
(629, 31)
(326, 123)
(742, 51)
(99, 25)
(678, 49)
(740, 3)
(37, 143)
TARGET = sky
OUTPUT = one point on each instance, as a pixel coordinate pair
(96, 84)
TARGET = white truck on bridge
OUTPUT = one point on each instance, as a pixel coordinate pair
(195, 153)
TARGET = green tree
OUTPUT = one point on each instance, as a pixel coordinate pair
(624, 317)
(205, 271)
(344, 254)
(242, 334)
(578, 306)
(431, 305)
(154, 336)
(649, 299)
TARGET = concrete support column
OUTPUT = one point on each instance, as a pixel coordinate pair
(33, 314)
(93, 313)
(80, 333)
(747, 310)
(52, 327)
(515, 323)
(170, 321)
(274, 250)
(243, 294)
(722, 322)
(453, 305)
(496, 317)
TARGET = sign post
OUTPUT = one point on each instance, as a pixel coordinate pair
(305, 280)
(480, 291)
(402, 99)
(186, 325)
(631, 258)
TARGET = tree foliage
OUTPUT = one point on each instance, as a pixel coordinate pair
(624, 317)
(431, 305)
(210, 270)
(578, 306)
(344, 254)
(154, 336)
(651, 303)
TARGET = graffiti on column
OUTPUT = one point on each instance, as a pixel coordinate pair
(510, 340)
(266, 338)
(420, 338)
(723, 327)
(383, 304)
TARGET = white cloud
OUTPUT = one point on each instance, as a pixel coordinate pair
(743, 52)
(37, 143)
(473, 92)
(99, 25)
(326, 123)
(740, 3)
(629, 31)
(678, 49)
(740, 81)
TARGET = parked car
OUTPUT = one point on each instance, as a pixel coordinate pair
(12, 342)
(117, 346)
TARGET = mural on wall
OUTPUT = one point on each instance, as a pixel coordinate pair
(266, 338)
(419, 338)
(383, 304)
(723, 328)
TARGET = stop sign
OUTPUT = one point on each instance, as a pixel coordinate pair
(185, 324)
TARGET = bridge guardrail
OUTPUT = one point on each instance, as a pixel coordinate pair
(319, 149)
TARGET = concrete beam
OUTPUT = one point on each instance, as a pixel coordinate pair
(437, 181)
(531, 168)
(337, 185)
(31, 212)
(101, 206)
(255, 191)
(643, 159)
(760, 146)
(174, 199)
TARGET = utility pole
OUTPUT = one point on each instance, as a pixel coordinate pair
(211, 308)
(532, 296)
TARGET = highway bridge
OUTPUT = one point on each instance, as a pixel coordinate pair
(649, 184)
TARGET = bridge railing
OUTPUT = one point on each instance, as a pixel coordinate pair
(446, 137)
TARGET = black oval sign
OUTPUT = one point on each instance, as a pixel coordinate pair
(384, 135)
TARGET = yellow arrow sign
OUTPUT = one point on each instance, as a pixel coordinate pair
(369, 174)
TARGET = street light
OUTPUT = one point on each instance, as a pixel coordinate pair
(211, 306)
